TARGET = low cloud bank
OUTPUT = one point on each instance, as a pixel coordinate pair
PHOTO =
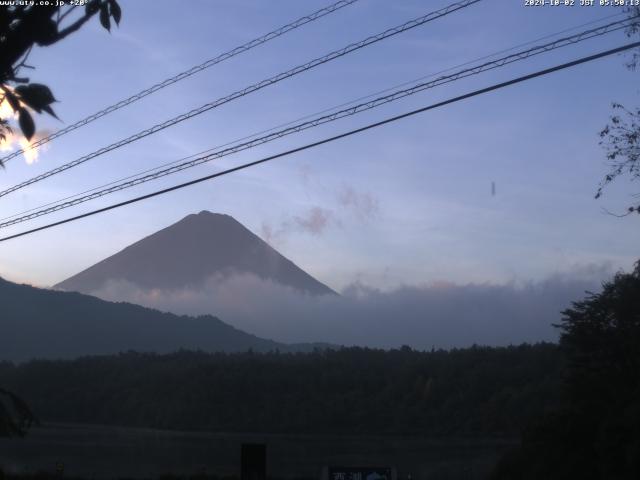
(436, 315)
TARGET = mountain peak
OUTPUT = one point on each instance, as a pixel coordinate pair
(206, 215)
(191, 251)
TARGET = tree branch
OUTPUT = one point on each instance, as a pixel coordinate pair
(65, 14)
(73, 27)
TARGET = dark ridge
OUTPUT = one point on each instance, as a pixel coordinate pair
(39, 323)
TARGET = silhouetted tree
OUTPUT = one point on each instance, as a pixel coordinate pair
(21, 28)
(601, 336)
(621, 137)
(15, 415)
(632, 30)
(596, 434)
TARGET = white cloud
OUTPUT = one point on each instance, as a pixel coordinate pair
(438, 314)
(363, 204)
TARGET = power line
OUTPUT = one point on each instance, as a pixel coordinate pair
(344, 104)
(333, 138)
(187, 73)
(253, 88)
(485, 57)
(311, 115)
(177, 167)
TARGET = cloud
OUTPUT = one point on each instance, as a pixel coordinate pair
(268, 233)
(436, 315)
(363, 204)
(315, 221)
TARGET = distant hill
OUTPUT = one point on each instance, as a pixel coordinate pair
(189, 252)
(38, 323)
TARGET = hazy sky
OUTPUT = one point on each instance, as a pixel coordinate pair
(406, 204)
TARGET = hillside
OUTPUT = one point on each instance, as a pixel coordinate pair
(39, 323)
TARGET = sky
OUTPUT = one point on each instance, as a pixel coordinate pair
(405, 205)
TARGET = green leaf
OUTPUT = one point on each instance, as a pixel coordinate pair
(116, 11)
(26, 123)
(104, 16)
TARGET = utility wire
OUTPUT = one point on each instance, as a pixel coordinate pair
(146, 177)
(370, 126)
(335, 107)
(187, 73)
(311, 115)
(174, 162)
(250, 89)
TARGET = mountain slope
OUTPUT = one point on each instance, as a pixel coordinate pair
(190, 251)
(38, 323)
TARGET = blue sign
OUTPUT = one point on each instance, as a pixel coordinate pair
(360, 473)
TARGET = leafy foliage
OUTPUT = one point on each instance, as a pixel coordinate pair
(15, 416)
(632, 30)
(474, 391)
(621, 137)
(596, 433)
(21, 28)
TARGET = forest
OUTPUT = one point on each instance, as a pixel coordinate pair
(575, 405)
(473, 391)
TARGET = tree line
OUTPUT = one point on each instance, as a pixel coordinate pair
(595, 431)
(473, 391)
